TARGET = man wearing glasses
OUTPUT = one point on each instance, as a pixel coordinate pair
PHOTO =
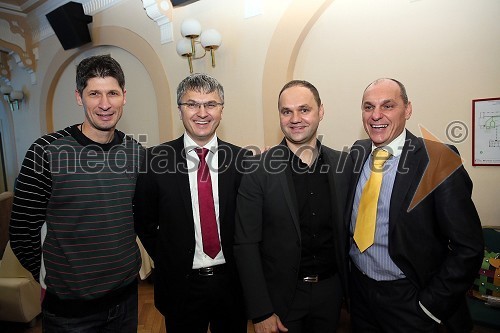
(184, 210)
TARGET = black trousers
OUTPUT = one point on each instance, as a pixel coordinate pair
(315, 307)
(211, 301)
(119, 318)
(386, 306)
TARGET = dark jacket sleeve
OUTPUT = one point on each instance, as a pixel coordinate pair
(248, 236)
(459, 222)
(437, 241)
(145, 207)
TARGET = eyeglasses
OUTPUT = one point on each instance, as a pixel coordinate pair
(196, 106)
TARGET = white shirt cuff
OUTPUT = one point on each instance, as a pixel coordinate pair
(427, 312)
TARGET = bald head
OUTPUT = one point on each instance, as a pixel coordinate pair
(402, 88)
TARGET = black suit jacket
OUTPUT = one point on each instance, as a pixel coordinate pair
(438, 245)
(163, 216)
(267, 235)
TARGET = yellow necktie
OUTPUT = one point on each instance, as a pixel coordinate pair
(364, 232)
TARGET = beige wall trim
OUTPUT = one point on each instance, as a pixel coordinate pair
(130, 42)
(281, 57)
(161, 13)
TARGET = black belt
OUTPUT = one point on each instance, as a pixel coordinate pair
(313, 278)
(209, 271)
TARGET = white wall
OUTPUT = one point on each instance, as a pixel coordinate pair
(445, 51)
(240, 59)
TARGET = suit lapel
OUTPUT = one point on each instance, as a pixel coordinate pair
(333, 178)
(407, 175)
(334, 182)
(182, 177)
(286, 181)
(225, 176)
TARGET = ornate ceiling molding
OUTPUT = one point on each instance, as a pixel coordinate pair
(160, 11)
(4, 66)
(21, 33)
(17, 40)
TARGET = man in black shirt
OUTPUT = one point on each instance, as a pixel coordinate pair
(289, 236)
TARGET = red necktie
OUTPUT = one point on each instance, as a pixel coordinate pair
(209, 233)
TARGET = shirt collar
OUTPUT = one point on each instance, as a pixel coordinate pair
(190, 145)
(295, 159)
(395, 147)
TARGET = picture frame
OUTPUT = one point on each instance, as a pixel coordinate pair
(486, 132)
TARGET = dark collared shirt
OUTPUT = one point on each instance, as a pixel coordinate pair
(313, 195)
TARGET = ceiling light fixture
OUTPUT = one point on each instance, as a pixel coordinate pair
(209, 39)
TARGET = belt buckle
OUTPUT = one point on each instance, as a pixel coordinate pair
(206, 271)
(311, 279)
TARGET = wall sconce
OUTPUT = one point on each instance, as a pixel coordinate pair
(209, 39)
(13, 97)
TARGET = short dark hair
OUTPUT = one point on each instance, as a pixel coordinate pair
(302, 83)
(98, 66)
(201, 83)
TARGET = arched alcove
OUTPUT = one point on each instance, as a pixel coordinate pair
(128, 41)
(282, 54)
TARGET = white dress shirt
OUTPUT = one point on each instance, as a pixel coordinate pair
(200, 258)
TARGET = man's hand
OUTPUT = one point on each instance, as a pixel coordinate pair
(270, 325)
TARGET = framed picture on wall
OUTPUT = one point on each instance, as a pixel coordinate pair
(486, 131)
